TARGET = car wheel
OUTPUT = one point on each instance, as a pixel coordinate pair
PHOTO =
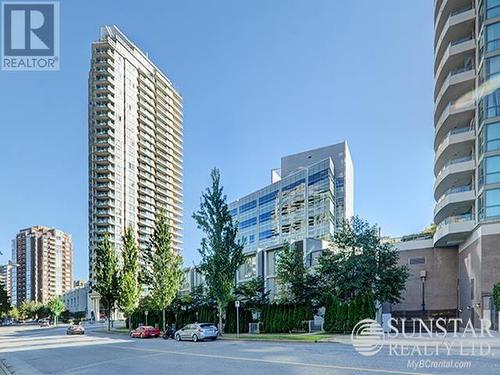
(213, 338)
(195, 338)
(178, 337)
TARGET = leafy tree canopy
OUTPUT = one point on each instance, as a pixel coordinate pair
(359, 263)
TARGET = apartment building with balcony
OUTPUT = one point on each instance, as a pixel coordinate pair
(135, 139)
(467, 152)
(42, 265)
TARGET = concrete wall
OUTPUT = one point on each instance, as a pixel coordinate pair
(441, 276)
(479, 270)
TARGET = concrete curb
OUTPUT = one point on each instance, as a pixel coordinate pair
(321, 341)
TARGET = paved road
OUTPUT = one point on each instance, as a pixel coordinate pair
(33, 350)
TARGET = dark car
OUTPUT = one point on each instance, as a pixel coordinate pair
(145, 331)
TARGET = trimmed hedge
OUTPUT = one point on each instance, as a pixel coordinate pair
(342, 317)
(283, 318)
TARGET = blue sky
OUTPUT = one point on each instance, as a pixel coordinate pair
(260, 79)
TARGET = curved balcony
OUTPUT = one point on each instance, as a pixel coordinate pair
(452, 116)
(458, 21)
(457, 172)
(458, 83)
(457, 143)
(454, 230)
(445, 8)
(452, 58)
(456, 200)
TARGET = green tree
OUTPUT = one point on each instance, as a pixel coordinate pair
(4, 299)
(28, 309)
(130, 289)
(221, 255)
(56, 307)
(14, 313)
(295, 283)
(252, 294)
(42, 311)
(331, 312)
(166, 265)
(359, 263)
(106, 276)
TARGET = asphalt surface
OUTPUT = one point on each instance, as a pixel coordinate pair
(34, 350)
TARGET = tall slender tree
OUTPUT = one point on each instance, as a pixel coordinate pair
(165, 274)
(130, 289)
(221, 255)
(106, 276)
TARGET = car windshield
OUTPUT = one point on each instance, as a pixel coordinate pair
(207, 325)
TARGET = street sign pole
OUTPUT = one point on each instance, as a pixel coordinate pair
(237, 304)
(146, 313)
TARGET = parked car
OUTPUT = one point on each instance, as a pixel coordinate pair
(75, 329)
(7, 322)
(197, 332)
(145, 331)
(44, 323)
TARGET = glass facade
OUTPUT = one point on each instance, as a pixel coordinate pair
(300, 205)
(488, 203)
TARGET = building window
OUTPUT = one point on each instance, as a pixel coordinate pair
(248, 269)
(248, 206)
(490, 106)
(248, 223)
(489, 139)
(493, 37)
(489, 204)
(492, 8)
(416, 261)
(492, 169)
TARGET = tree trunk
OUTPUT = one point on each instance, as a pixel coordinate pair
(163, 320)
(220, 320)
(109, 318)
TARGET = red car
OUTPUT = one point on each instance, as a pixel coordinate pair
(145, 331)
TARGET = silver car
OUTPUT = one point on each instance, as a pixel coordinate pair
(197, 331)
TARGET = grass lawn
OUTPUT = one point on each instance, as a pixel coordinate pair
(307, 337)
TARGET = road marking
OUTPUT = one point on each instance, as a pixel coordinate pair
(94, 364)
(302, 364)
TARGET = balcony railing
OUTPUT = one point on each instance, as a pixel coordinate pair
(454, 190)
(451, 133)
(456, 219)
(462, 40)
(463, 159)
(466, 8)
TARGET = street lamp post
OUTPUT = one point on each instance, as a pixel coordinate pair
(423, 276)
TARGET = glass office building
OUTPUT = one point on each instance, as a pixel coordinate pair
(308, 197)
(298, 206)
